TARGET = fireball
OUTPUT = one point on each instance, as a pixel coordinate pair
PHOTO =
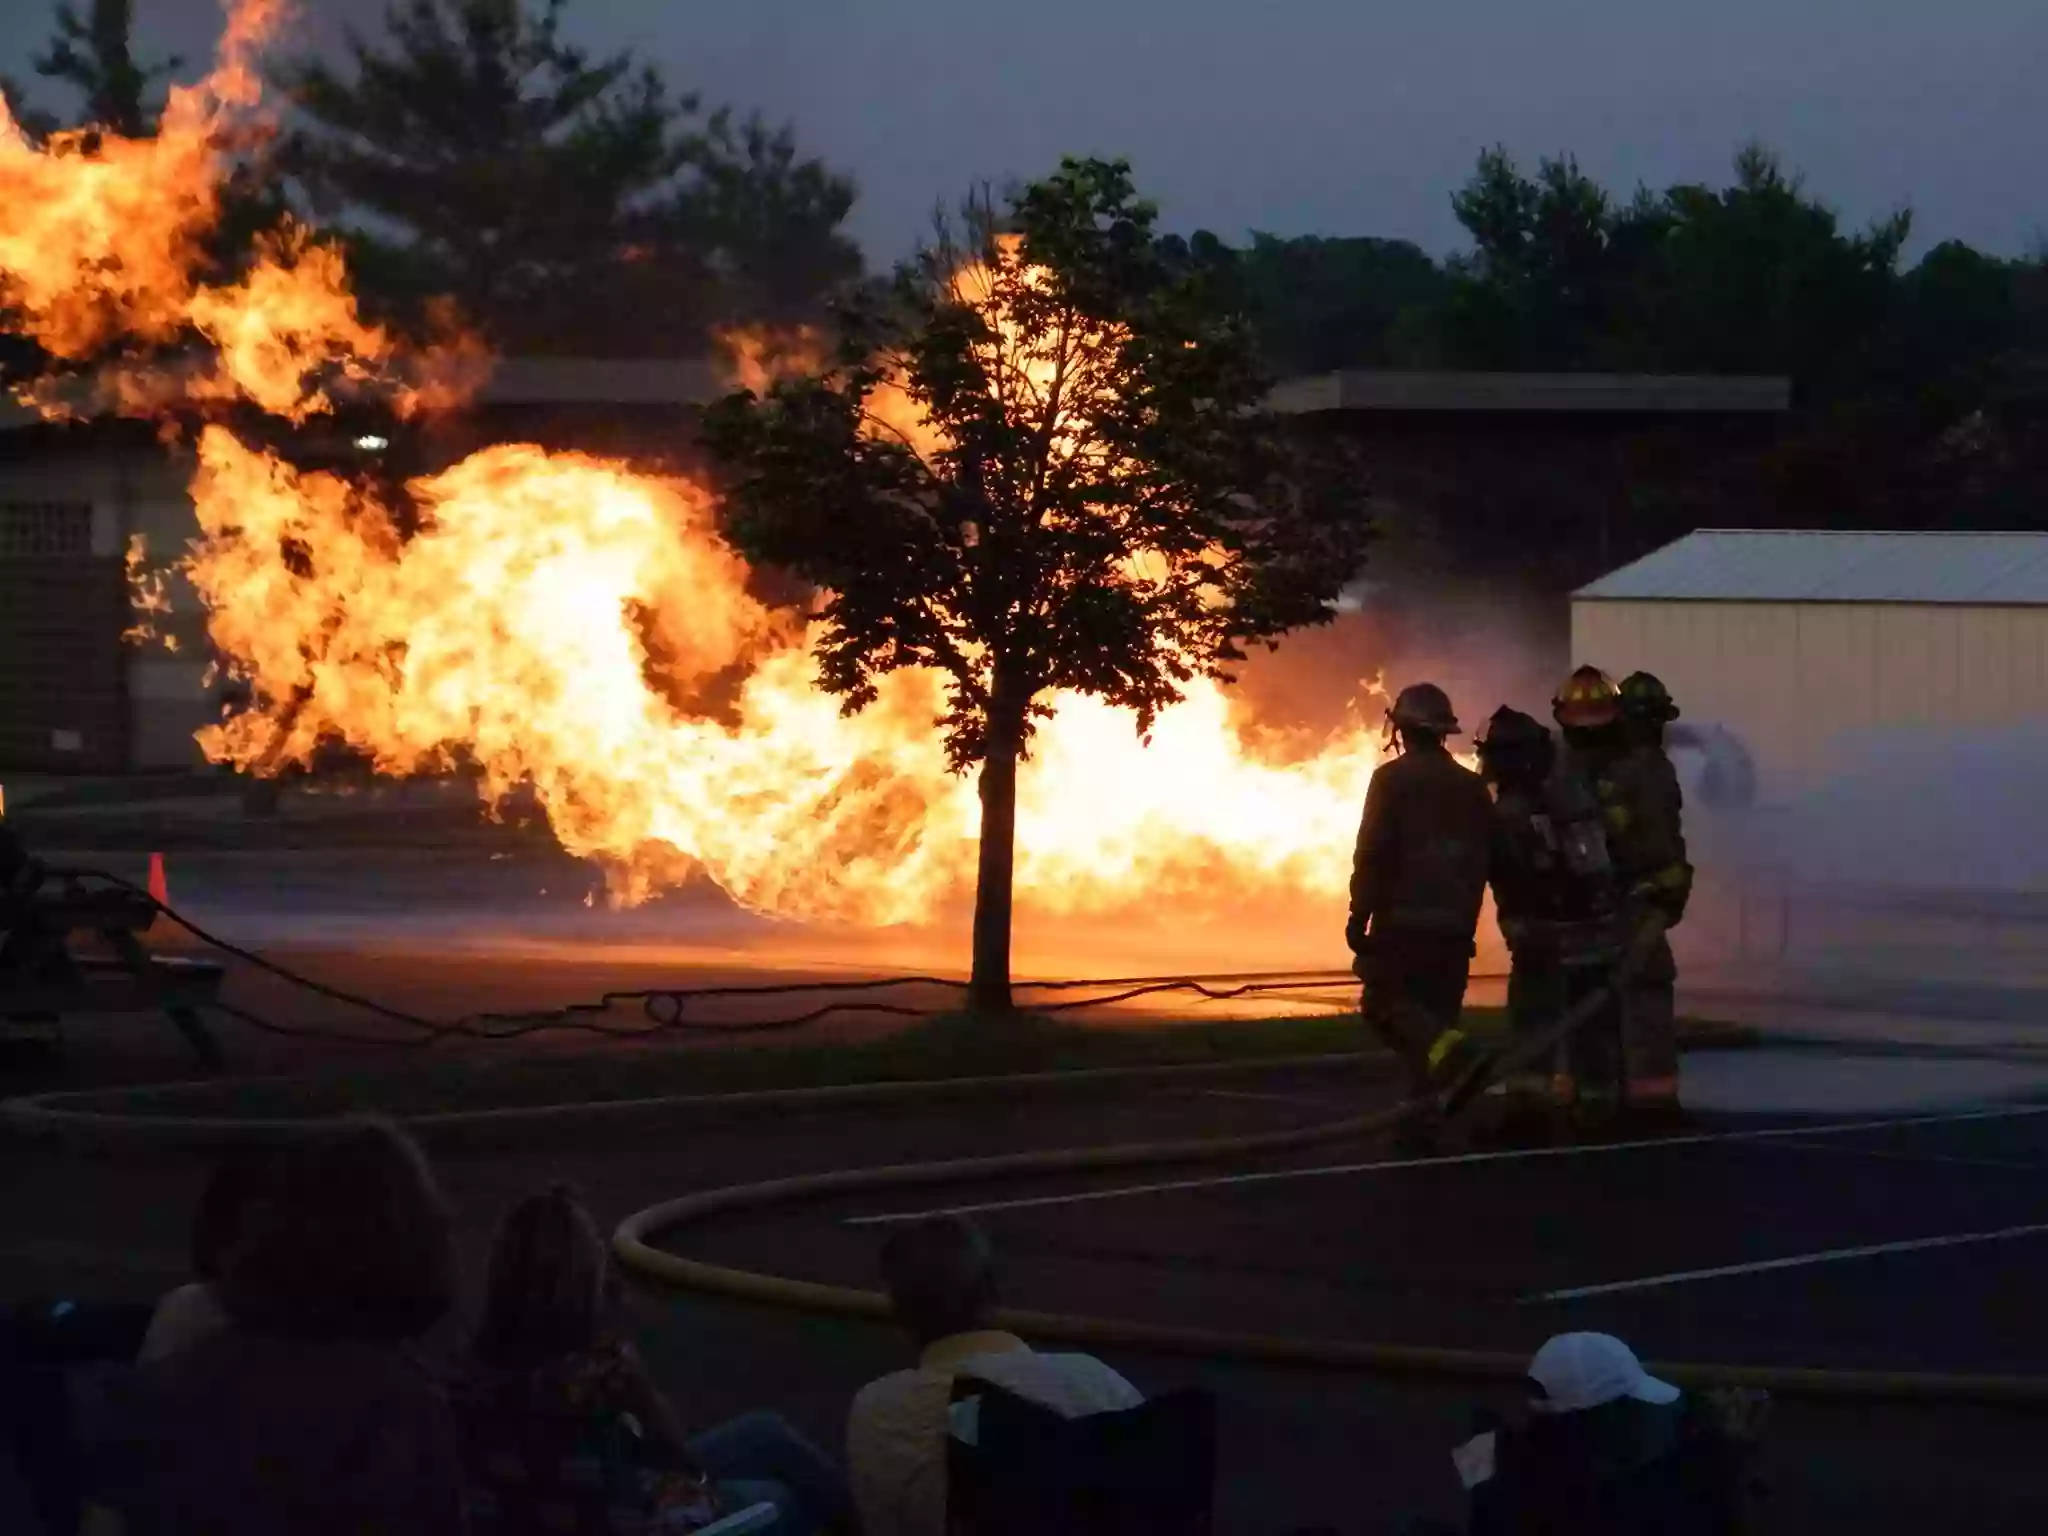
(573, 627)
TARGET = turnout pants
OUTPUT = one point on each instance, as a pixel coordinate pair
(1414, 990)
(1535, 999)
(1594, 1055)
(1585, 1066)
(1652, 1040)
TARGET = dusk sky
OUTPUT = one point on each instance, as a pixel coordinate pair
(1338, 116)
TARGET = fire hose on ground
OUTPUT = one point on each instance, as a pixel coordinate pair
(633, 1244)
(668, 1010)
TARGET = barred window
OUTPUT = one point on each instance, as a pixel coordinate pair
(30, 529)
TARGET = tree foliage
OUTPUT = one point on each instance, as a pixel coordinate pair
(767, 222)
(1321, 304)
(1760, 278)
(1756, 277)
(1536, 290)
(1043, 462)
(95, 55)
(566, 202)
(1920, 390)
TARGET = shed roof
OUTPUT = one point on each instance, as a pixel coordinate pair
(1778, 565)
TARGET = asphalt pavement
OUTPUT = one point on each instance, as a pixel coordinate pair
(1805, 1243)
(1903, 1242)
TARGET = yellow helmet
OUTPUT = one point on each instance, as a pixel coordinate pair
(1587, 699)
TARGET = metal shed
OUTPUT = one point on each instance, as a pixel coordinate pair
(1795, 641)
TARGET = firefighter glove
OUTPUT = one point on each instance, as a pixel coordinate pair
(1356, 937)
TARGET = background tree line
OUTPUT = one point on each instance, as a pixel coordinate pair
(571, 203)
(1758, 276)
(1920, 389)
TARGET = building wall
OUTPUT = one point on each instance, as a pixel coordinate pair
(1796, 680)
(168, 694)
(73, 695)
(63, 700)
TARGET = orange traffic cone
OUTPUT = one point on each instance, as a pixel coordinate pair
(159, 889)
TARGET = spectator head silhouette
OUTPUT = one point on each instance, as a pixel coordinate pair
(941, 1277)
(547, 1287)
(351, 1240)
(220, 1221)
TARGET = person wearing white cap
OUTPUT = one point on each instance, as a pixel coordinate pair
(1575, 1372)
(1607, 1449)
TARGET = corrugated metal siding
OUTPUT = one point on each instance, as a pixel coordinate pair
(1793, 566)
(1798, 681)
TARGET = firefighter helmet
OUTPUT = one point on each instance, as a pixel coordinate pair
(1516, 748)
(1587, 699)
(1509, 730)
(1644, 697)
(1424, 707)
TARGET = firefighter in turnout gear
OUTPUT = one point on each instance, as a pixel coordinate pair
(1418, 878)
(1588, 713)
(1646, 813)
(1555, 895)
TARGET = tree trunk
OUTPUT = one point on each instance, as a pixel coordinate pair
(989, 989)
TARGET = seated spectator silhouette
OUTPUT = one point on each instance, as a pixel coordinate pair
(309, 1412)
(565, 1433)
(1014, 1468)
(941, 1282)
(194, 1311)
(51, 1354)
(1606, 1450)
(54, 1360)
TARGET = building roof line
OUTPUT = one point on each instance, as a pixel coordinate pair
(1924, 567)
(684, 381)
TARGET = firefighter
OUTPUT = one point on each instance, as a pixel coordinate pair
(1418, 877)
(1555, 894)
(1516, 758)
(1587, 709)
(1646, 812)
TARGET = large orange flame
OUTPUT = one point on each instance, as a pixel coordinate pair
(575, 625)
(102, 235)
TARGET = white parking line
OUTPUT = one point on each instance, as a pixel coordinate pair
(1396, 1165)
(1795, 1261)
(1935, 1158)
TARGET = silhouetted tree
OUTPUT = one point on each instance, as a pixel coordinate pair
(1757, 277)
(1538, 289)
(566, 202)
(1323, 304)
(767, 223)
(1101, 503)
(95, 55)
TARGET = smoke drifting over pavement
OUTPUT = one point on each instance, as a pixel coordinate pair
(1921, 809)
